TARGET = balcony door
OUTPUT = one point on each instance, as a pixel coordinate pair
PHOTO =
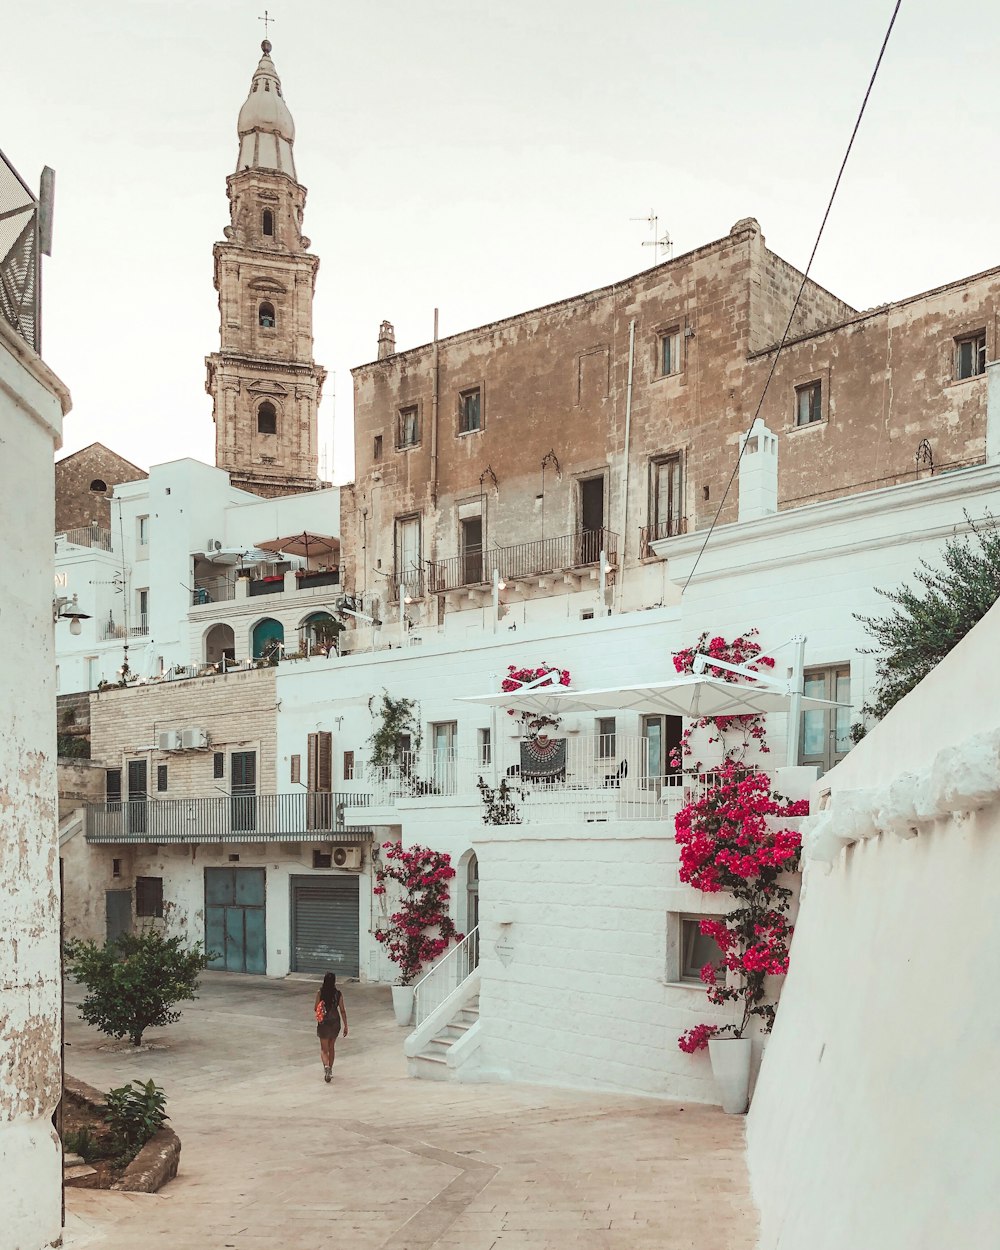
(138, 797)
(407, 555)
(243, 788)
(319, 799)
(472, 550)
(591, 520)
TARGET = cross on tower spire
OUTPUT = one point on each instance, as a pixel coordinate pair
(266, 19)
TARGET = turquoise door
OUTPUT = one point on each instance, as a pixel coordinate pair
(235, 916)
(266, 636)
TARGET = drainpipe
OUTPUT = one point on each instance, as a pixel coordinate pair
(795, 686)
(627, 453)
(435, 396)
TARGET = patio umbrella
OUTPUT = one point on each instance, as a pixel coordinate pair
(305, 544)
(693, 696)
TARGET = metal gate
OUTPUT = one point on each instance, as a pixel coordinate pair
(235, 919)
(325, 929)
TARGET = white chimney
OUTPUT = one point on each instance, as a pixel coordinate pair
(758, 473)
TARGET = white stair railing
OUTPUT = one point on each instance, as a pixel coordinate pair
(445, 977)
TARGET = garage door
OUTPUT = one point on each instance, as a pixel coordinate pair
(325, 925)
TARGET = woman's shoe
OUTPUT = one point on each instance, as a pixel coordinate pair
(328, 1075)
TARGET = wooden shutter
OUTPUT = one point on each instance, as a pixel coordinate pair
(319, 811)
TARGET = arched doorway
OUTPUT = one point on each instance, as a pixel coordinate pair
(319, 632)
(220, 644)
(268, 639)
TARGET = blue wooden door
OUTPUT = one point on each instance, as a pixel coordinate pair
(235, 919)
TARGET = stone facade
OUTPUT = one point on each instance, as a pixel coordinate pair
(597, 394)
(83, 486)
(265, 385)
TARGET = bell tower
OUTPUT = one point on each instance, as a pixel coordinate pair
(265, 384)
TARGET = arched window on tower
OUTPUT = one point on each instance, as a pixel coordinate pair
(265, 316)
(267, 418)
(267, 222)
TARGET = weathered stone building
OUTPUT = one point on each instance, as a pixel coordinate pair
(612, 420)
(265, 384)
(84, 481)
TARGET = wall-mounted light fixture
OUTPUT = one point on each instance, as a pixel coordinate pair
(66, 608)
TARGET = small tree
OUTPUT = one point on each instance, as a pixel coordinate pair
(134, 982)
(922, 628)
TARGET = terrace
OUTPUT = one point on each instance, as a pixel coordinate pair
(569, 555)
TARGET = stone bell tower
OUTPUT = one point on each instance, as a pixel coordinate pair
(265, 384)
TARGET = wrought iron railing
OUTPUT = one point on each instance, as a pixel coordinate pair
(88, 536)
(20, 256)
(520, 560)
(662, 529)
(445, 977)
(411, 580)
(226, 818)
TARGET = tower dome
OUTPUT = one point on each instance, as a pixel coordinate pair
(265, 125)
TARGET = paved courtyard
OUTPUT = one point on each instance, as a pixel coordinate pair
(272, 1157)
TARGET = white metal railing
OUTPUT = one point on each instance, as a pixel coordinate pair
(88, 536)
(138, 626)
(445, 977)
(417, 775)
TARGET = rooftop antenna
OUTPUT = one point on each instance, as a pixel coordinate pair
(656, 242)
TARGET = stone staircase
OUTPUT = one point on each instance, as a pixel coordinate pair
(431, 1063)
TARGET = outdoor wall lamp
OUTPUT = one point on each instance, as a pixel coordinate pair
(66, 608)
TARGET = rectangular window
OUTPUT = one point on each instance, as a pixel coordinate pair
(470, 410)
(669, 355)
(485, 747)
(970, 355)
(116, 867)
(320, 775)
(809, 403)
(348, 765)
(824, 739)
(444, 735)
(113, 785)
(143, 523)
(407, 571)
(149, 896)
(697, 950)
(322, 859)
(471, 547)
(296, 777)
(219, 764)
(377, 448)
(606, 745)
(665, 503)
(141, 624)
(407, 427)
(161, 777)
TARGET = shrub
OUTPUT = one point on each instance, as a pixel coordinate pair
(133, 983)
(82, 1142)
(423, 876)
(135, 1112)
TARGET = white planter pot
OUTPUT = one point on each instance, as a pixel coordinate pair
(731, 1068)
(402, 1004)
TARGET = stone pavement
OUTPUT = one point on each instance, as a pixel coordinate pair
(272, 1157)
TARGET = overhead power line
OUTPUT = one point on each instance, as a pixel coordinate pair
(798, 297)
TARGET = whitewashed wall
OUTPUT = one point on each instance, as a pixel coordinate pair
(876, 1108)
(32, 403)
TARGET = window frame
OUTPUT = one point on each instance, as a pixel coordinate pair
(218, 765)
(266, 220)
(273, 408)
(412, 579)
(691, 975)
(377, 451)
(142, 530)
(607, 740)
(673, 335)
(803, 389)
(162, 778)
(830, 755)
(463, 395)
(146, 907)
(403, 411)
(484, 746)
(976, 339)
(675, 517)
(262, 323)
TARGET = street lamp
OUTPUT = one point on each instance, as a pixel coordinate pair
(66, 608)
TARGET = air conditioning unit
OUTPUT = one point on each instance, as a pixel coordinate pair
(347, 857)
(212, 545)
(194, 739)
(168, 740)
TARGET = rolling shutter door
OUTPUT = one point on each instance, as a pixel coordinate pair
(325, 929)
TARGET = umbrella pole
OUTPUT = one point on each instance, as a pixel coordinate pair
(795, 689)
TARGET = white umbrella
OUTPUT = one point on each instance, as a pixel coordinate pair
(692, 696)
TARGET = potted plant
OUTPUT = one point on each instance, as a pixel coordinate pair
(736, 836)
(420, 928)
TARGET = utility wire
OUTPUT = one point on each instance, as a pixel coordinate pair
(798, 297)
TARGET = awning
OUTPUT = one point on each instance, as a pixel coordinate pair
(304, 544)
(693, 696)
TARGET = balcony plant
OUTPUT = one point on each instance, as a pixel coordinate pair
(532, 723)
(734, 839)
(420, 929)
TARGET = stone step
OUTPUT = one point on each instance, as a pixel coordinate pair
(82, 1176)
(72, 1161)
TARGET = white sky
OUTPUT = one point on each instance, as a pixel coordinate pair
(482, 157)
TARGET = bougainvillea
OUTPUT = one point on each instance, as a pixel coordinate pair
(421, 929)
(731, 840)
(517, 678)
(735, 734)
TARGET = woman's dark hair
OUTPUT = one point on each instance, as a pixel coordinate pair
(328, 993)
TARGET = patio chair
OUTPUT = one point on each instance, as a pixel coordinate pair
(614, 780)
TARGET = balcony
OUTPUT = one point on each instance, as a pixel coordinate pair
(649, 534)
(578, 778)
(138, 627)
(227, 586)
(520, 562)
(88, 536)
(302, 816)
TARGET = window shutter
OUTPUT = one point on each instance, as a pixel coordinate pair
(320, 775)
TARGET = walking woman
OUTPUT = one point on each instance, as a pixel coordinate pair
(330, 1011)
